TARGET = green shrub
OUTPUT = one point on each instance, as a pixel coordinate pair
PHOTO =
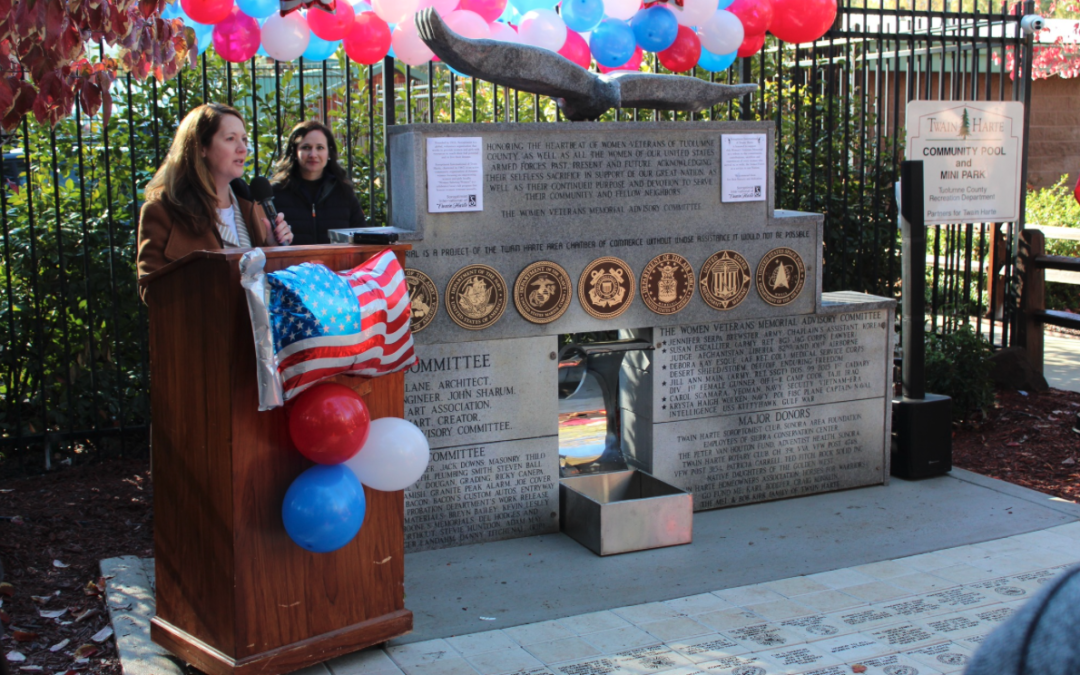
(958, 366)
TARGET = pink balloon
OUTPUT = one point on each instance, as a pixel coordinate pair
(442, 7)
(503, 32)
(633, 64)
(798, 21)
(576, 49)
(207, 12)
(467, 24)
(332, 26)
(368, 39)
(756, 15)
(408, 47)
(237, 36)
(489, 9)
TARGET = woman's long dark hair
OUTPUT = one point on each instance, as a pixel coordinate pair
(287, 168)
(183, 183)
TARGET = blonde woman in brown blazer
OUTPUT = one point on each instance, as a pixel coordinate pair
(189, 204)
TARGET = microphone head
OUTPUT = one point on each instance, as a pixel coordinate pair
(261, 190)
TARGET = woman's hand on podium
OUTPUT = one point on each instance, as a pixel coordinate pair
(281, 230)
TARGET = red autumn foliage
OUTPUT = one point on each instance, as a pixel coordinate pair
(44, 64)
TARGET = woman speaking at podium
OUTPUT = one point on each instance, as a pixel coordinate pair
(311, 188)
(189, 204)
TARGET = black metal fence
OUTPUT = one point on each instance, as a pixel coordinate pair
(73, 354)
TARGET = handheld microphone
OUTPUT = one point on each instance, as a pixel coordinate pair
(263, 193)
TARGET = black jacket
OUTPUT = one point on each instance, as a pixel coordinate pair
(335, 207)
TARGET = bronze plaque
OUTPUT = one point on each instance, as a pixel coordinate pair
(667, 283)
(606, 287)
(725, 280)
(780, 276)
(542, 292)
(475, 297)
(423, 299)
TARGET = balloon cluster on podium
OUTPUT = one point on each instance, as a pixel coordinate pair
(684, 34)
(329, 424)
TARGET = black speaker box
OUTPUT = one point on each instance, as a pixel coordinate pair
(921, 436)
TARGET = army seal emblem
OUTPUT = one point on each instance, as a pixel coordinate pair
(423, 299)
(725, 280)
(476, 297)
(606, 287)
(542, 292)
(780, 276)
(667, 283)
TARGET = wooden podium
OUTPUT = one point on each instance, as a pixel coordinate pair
(234, 593)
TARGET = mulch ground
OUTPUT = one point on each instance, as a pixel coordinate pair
(55, 529)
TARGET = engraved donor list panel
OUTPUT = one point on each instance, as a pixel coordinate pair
(490, 413)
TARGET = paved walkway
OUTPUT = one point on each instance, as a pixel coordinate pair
(1061, 361)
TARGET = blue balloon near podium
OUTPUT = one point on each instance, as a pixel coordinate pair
(324, 508)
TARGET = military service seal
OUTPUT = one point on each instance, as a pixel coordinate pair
(667, 283)
(542, 292)
(476, 297)
(606, 287)
(780, 276)
(423, 299)
(725, 280)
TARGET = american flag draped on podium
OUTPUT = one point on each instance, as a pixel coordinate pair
(323, 323)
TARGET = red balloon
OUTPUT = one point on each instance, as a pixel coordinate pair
(489, 9)
(332, 26)
(207, 12)
(756, 15)
(368, 40)
(576, 49)
(633, 64)
(751, 45)
(329, 423)
(798, 21)
(683, 54)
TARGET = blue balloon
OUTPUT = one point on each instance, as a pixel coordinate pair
(204, 33)
(583, 15)
(511, 15)
(319, 49)
(716, 62)
(324, 508)
(724, 4)
(655, 28)
(612, 43)
(174, 11)
(261, 9)
(524, 6)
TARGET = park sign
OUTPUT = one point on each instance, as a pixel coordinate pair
(971, 153)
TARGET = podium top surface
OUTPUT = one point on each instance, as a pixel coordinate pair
(297, 254)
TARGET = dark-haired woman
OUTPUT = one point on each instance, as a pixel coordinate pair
(311, 188)
(189, 204)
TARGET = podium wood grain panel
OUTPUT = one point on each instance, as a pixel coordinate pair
(234, 593)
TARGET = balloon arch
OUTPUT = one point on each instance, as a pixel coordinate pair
(684, 34)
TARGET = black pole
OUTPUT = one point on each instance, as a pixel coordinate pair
(389, 119)
(913, 230)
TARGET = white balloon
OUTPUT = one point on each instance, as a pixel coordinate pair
(442, 7)
(543, 28)
(285, 37)
(722, 33)
(408, 47)
(394, 457)
(694, 12)
(393, 11)
(622, 9)
(468, 24)
(360, 6)
(503, 32)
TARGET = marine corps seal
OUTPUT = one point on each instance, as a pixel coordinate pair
(475, 297)
(725, 280)
(423, 299)
(667, 283)
(542, 292)
(606, 287)
(780, 276)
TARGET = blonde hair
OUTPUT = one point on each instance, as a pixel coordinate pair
(183, 183)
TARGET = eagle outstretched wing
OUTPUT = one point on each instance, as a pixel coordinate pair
(674, 92)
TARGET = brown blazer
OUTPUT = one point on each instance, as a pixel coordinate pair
(160, 242)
